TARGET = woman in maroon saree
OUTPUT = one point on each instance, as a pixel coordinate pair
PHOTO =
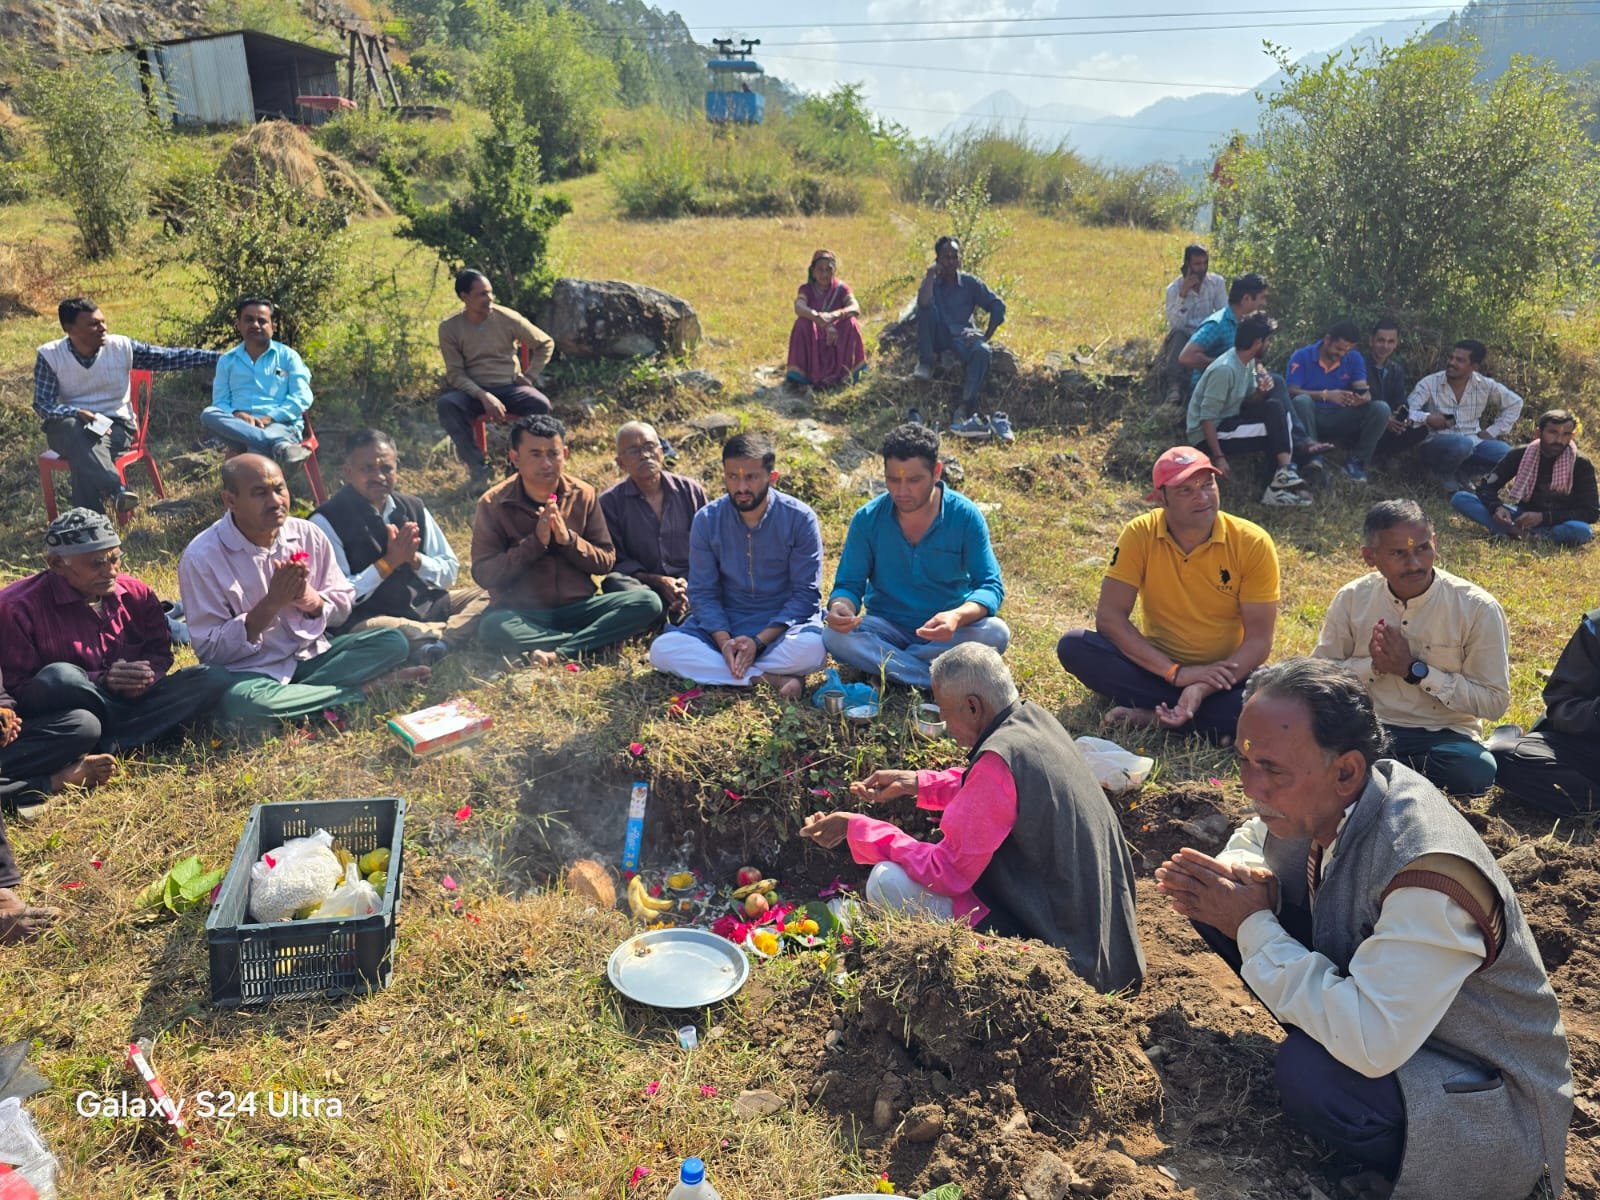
(825, 346)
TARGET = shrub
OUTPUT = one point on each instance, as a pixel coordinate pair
(1397, 181)
(434, 150)
(96, 133)
(561, 86)
(837, 133)
(1148, 197)
(268, 239)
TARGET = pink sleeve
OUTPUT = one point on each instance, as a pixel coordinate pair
(935, 789)
(975, 822)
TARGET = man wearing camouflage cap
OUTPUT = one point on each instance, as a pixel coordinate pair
(81, 635)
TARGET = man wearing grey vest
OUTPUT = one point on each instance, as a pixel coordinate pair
(1424, 1040)
(1031, 846)
(81, 394)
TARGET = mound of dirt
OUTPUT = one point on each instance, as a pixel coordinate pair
(978, 1059)
(1157, 824)
(281, 149)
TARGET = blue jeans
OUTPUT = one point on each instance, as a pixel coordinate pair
(1456, 763)
(1448, 453)
(1567, 533)
(254, 439)
(974, 353)
(903, 656)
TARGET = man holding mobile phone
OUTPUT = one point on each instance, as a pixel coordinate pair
(1328, 386)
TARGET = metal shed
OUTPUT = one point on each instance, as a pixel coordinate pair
(232, 78)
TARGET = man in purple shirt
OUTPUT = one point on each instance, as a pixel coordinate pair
(649, 514)
(82, 635)
(260, 589)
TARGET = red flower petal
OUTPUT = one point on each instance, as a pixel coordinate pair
(473, 917)
(638, 1174)
(73, 884)
(651, 1088)
(97, 863)
(463, 813)
(734, 796)
(707, 1090)
(573, 667)
(448, 883)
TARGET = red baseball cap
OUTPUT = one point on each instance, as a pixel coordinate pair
(1176, 465)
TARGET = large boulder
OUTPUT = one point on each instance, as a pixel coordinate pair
(608, 318)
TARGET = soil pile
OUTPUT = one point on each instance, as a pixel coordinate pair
(279, 148)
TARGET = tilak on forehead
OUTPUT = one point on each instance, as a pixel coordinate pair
(1247, 745)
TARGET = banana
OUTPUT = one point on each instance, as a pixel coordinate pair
(741, 893)
(767, 885)
(644, 906)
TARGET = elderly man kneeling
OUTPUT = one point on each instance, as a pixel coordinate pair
(1031, 846)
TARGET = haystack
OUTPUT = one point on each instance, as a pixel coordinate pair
(282, 149)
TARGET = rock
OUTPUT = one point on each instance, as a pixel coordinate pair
(809, 431)
(756, 1103)
(1156, 1054)
(1209, 829)
(1049, 1178)
(698, 381)
(1017, 1122)
(832, 1039)
(609, 318)
(590, 880)
(850, 455)
(1003, 367)
(1522, 864)
(924, 1123)
(886, 1107)
(715, 425)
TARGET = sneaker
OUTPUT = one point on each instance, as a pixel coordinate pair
(428, 654)
(1288, 479)
(1316, 464)
(127, 501)
(30, 812)
(971, 427)
(1452, 485)
(913, 416)
(290, 454)
(1276, 497)
(1000, 427)
(923, 371)
(1356, 469)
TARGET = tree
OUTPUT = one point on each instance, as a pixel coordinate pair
(96, 133)
(502, 225)
(1401, 183)
(559, 83)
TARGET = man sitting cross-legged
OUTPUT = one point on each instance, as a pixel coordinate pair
(1430, 645)
(40, 757)
(81, 635)
(917, 559)
(538, 541)
(1328, 388)
(259, 590)
(262, 390)
(755, 580)
(1545, 489)
(1030, 845)
(1556, 767)
(395, 555)
(1207, 583)
(649, 513)
(1232, 407)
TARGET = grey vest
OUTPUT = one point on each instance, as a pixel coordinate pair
(1483, 1144)
(1064, 875)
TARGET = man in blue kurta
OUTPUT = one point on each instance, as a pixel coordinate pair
(755, 582)
(917, 574)
(261, 391)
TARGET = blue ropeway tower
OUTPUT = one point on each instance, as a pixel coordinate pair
(731, 99)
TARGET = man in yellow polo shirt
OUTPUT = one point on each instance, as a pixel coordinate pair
(1208, 586)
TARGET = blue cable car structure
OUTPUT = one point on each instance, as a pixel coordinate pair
(731, 100)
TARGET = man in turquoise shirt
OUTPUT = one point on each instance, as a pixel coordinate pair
(917, 574)
(261, 392)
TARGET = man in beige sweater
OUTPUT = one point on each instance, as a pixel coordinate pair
(479, 345)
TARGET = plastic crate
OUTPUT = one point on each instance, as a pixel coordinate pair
(253, 963)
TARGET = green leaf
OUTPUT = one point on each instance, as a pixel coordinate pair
(184, 886)
(945, 1191)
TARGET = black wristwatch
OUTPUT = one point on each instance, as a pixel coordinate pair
(1417, 671)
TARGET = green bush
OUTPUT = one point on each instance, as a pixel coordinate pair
(1149, 197)
(544, 64)
(835, 132)
(422, 149)
(664, 182)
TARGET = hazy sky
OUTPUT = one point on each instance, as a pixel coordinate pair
(1118, 47)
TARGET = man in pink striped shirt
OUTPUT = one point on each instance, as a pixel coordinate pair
(1031, 846)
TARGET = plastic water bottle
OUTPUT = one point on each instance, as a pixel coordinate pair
(692, 1183)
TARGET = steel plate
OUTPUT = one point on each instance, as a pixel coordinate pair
(677, 968)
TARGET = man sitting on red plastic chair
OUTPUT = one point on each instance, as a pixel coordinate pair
(262, 391)
(80, 391)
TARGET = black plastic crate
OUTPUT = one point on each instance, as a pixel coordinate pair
(254, 963)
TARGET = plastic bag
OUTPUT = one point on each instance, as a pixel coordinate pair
(853, 693)
(357, 898)
(22, 1147)
(1116, 769)
(300, 873)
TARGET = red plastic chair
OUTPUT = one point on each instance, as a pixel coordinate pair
(480, 424)
(313, 471)
(140, 384)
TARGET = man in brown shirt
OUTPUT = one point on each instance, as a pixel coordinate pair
(479, 345)
(538, 541)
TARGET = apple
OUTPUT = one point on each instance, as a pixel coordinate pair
(749, 875)
(755, 905)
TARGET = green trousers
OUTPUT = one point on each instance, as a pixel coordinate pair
(581, 627)
(330, 680)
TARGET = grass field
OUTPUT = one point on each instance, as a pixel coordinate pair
(499, 1063)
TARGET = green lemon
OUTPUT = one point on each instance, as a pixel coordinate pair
(374, 860)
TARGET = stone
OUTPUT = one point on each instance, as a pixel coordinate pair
(611, 318)
(809, 431)
(1521, 865)
(1017, 1122)
(715, 425)
(698, 381)
(1049, 1178)
(757, 1102)
(924, 1123)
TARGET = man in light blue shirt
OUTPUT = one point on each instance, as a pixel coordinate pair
(946, 302)
(917, 574)
(261, 391)
(755, 582)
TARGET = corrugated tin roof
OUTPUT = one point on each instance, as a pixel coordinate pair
(250, 35)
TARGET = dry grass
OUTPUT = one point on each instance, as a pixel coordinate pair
(499, 1062)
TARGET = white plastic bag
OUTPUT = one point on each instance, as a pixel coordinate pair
(357, 898)
(302, 871)
(1116, 769)
(22, 1147)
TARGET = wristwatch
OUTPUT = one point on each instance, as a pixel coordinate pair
(1417, 671)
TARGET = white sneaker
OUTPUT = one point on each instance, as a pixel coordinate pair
(1277, 497)
(1288, 479)
(923, 371)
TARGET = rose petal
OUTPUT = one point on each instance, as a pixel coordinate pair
(820, 791)
(651, 1088)
(707, 1090)
(73, 884)
(573, 667)
(97, 863)
(636, 748)
(463, 813)
(1214, 781)
(458, 905)
(473, 917)
(734, 796)
(638, 1174)
(448, 883)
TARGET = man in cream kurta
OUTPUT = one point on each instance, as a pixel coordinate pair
(1431, 648)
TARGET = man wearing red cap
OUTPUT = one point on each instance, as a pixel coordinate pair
(1208, 582)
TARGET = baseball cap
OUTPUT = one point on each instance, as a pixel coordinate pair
(1176, 465)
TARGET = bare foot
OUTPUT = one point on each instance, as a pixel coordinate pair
(788, 686)
(19, 922)
(404, 677)
(543, 658)
(1138, 718)
(89, 771)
